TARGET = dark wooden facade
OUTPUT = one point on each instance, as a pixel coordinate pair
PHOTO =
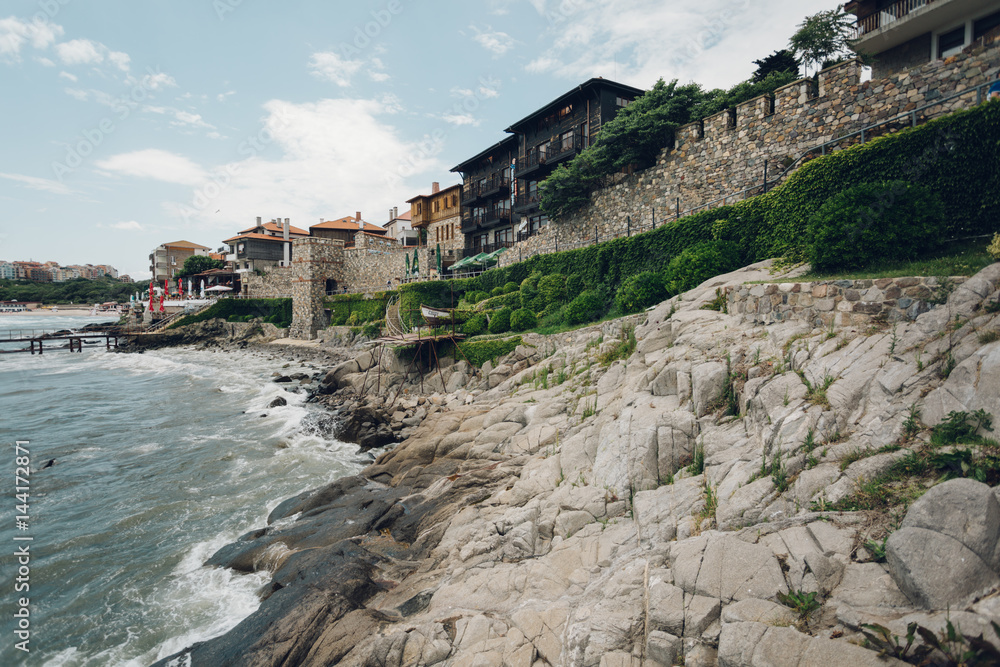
(501, 200)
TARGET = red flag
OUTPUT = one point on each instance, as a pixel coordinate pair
(166, 287)
(180, 287)
(161, 302)
(150, 297)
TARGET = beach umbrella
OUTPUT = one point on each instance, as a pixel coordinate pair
(438, 253)
(166, 287)
(162, 297)
(416, 263)
(202, 288)
(190, 287)
(407, 265)
(180, 287)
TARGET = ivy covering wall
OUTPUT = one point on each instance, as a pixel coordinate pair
(274, 311)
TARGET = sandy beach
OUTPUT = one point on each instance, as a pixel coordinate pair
(62, 312)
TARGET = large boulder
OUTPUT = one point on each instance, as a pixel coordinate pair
(947, 549)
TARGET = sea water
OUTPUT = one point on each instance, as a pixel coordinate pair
(161, 458)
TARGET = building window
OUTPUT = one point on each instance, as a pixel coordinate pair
(622, 102)
(419, 207)
(565, 112)
(984, 25)
(951, 42)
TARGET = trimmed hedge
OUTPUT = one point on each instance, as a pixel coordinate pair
(522, 320)
(475, 325)
(500, 321)
(512, 301)
(699, 263)
(478, 352)
(585, 308)
(275, 311)
(344, 307)
(640, 291)
(873, 222)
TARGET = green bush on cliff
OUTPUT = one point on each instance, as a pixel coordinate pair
(587, 307)
(873, 222)
(510, 287)
(699, 263)
(640, 291)
(475, 325)
(277, 311)
(553, 288)
(522, 320)
(478, 352)
(500, 321)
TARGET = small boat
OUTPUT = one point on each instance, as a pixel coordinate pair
(436, 317)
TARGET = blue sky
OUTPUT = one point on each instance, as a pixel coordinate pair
(133, 123)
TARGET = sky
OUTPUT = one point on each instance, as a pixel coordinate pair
(131, 123)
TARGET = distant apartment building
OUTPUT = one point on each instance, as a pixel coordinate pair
(438, 216)
(901, 34)
(263, 246)
(167, 260)
(400, 227)
(125, 278)
(7, 271)
(345, 229)
(501, 194)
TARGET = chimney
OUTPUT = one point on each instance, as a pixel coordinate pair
(391, 218)
(435, 188)
(287, 245)
(357, 216)
(395, 212)
(258, 221)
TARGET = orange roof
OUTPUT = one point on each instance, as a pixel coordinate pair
(405, 216)
(272, 227)
(379, 236)
(185, 244)
(347, 224)
(216, 255)
(261, 237)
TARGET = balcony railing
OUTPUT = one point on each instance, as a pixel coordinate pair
(564, 147)
(528, 201)
(478, 248)
(527, 234)
(530, 162)
(495, 184)
(890, 14)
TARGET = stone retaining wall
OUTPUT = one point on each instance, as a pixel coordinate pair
(839, 302)
(726, 153)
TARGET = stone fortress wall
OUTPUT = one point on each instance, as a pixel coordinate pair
(725, 153)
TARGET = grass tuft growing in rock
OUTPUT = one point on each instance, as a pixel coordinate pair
(622, 349)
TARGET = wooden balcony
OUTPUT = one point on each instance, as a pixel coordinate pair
(564, 148)
(531, 163)
(877, 20)
(528, 202)
(496, 184)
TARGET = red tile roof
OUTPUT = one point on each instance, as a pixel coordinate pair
(272, 227)
(185, 244)
(260, 237)
(347, 224)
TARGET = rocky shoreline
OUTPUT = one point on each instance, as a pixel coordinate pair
(677, 504)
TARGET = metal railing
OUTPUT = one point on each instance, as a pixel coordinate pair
(887, 16)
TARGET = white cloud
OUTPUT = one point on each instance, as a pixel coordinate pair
(81, 52)
(46, 62)
(156, 164)
(67, 75)
(186, 118)
(329, 66)
(120, 59)
(78, 94)
(496, 42)
(43, 184)
(713, 42)
(327, 158)
(158, 80)
(221, 97)
(460, 119)
(15, 33)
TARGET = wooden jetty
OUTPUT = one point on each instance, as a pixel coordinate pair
(36, 340)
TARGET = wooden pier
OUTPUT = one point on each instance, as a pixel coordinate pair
(37, 340)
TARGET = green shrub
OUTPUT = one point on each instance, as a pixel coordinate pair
(510, 287)
(475, 325)
(478, 352)
(512, 301)
(587, 307)
(237, 310)
(522, 320)
(553, 288)
(528, 293)
(500, 321)
(342, 306)
(372, 329)
(532, 280)
(574, 285)
(874, 222)
(496, 291)
(699, 263)
(538, 304)
(640, 291)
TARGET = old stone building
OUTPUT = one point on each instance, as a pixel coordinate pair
(438, 219)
